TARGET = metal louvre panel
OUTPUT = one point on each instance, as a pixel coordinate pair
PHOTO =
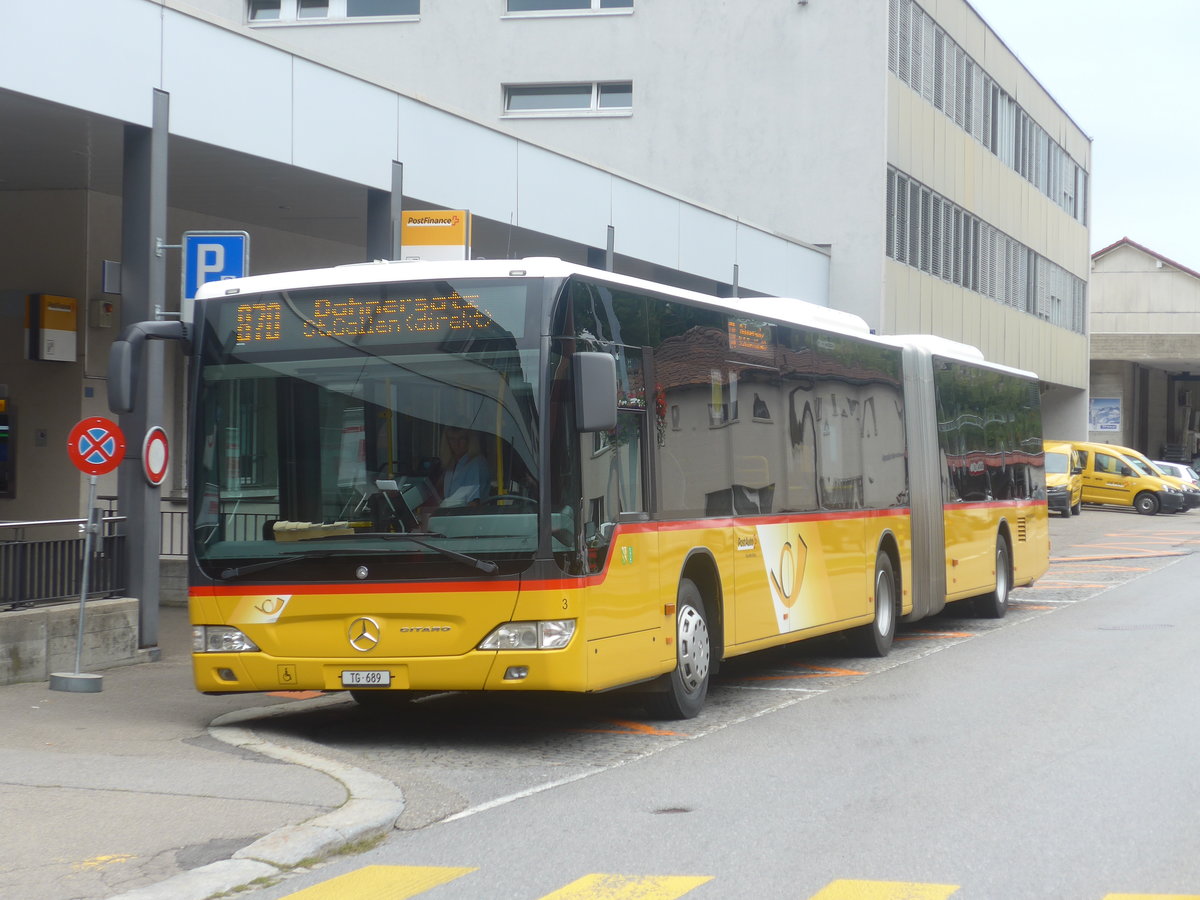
(929, 232)
(893, 35)
(916, 42)
(928, 29)
(890, 215)
(923, 55)
(926, 230)
(935, 231)
(947, 240)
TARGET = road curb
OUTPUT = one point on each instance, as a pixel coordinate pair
(372, 807)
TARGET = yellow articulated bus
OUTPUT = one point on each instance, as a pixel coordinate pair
(533, 476)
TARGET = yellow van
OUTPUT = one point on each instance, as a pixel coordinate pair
(1064, 478)
(1112, 479)
(1191, 494)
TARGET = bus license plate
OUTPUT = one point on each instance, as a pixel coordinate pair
(366, 678)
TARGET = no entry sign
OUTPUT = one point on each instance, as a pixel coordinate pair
(96, 445)
(155, 455)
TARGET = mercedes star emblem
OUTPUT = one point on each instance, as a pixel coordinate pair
(364, 634)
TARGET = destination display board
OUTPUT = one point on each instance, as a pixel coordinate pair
(372, 314)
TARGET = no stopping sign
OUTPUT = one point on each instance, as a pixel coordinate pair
(96, 446)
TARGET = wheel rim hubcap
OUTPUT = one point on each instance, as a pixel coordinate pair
(883, 603)
(694, 649)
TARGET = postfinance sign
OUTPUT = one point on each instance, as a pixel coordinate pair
(437, 234)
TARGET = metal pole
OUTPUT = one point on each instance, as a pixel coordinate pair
(78, 682)
(89, 530)
(143, 282)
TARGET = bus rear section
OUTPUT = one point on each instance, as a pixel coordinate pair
(979, 491)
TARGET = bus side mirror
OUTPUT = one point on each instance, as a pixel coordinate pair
(124, 359)
(595, 391)
(120, 377)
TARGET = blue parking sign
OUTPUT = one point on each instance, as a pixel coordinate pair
(213, 256)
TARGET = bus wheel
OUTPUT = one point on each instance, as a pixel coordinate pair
(995, 604)
(876, 638)
(1146, 503)
(680, 694)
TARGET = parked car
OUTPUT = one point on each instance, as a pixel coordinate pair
(1064, 478)
(1179, 470)
(1111, 478)
(1191, 493)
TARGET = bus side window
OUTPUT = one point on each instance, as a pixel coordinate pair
(612, 482)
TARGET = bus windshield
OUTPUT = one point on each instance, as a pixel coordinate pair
(392, 425)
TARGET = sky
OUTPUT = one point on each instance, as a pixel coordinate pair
(1128, 74)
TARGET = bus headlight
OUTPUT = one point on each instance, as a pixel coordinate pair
(220, 639)
(551, 634)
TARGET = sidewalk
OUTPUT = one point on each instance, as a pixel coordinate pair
(116, 792)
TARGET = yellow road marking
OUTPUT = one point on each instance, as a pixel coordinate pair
(96, 862)
(381, 883)
(884, 890)
(628, 887)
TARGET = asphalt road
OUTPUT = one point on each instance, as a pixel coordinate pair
(1049, 754)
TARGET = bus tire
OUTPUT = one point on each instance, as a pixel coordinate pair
(875, 639)
(680, 694)
(994, 605)
(1146, 503)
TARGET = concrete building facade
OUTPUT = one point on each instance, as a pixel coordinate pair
(1145, 333)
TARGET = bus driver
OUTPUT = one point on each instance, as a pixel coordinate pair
(465, 475)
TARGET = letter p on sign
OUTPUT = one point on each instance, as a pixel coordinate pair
(211, 262)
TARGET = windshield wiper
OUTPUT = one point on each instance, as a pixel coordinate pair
(238, 571)
(483, 565)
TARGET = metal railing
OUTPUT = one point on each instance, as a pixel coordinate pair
(33, 572)
(230, 526)
(173, 540)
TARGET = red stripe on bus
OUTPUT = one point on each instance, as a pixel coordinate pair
(567, 582)
(994, 504)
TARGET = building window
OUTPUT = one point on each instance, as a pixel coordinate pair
(260, 11)
(566, 5)
(929, 232)
(926, 58)
(598, 98)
